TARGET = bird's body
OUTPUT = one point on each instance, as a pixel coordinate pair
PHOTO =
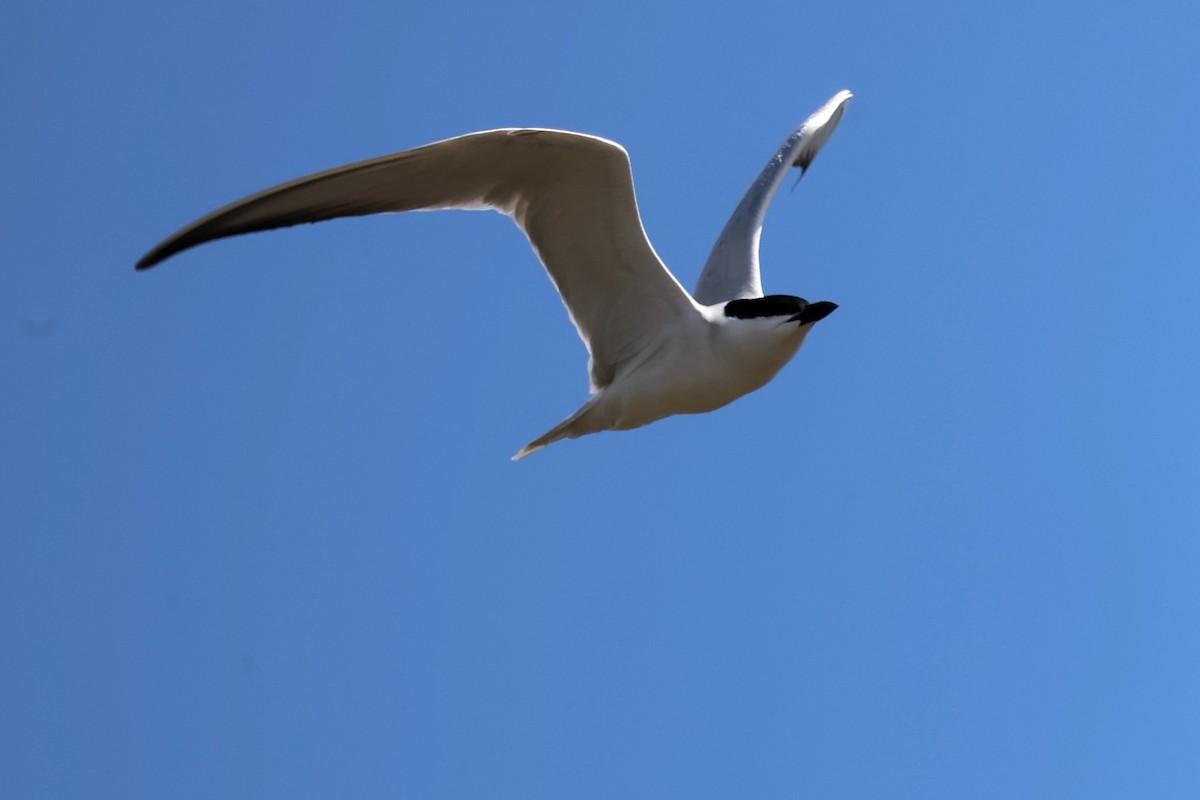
(656, 351)
(699, 366)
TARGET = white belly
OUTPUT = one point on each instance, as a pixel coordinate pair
(698, 375)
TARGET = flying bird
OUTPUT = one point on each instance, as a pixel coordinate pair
(655, 350)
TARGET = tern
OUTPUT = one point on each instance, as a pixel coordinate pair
(655, 350)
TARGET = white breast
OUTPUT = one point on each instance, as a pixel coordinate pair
(702, 369)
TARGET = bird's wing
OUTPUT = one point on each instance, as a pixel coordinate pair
(731, 272)
(571, 194)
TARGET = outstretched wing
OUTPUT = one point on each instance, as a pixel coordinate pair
(731, 272)
(571, 194)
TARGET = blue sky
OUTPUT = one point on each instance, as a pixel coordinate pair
(261, 533)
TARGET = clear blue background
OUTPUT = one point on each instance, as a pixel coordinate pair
(261, 536)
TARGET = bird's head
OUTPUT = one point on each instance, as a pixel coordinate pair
(780, 308)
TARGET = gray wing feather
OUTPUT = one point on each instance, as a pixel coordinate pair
(570, 193)
(732, 271)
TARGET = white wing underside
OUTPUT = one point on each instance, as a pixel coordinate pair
(570, 193)
(732, 272)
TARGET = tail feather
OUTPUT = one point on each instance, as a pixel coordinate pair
(569, 428)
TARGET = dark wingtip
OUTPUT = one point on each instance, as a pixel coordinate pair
(803, 169)
(157, 256)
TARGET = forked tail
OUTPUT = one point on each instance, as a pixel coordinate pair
(570, 428)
